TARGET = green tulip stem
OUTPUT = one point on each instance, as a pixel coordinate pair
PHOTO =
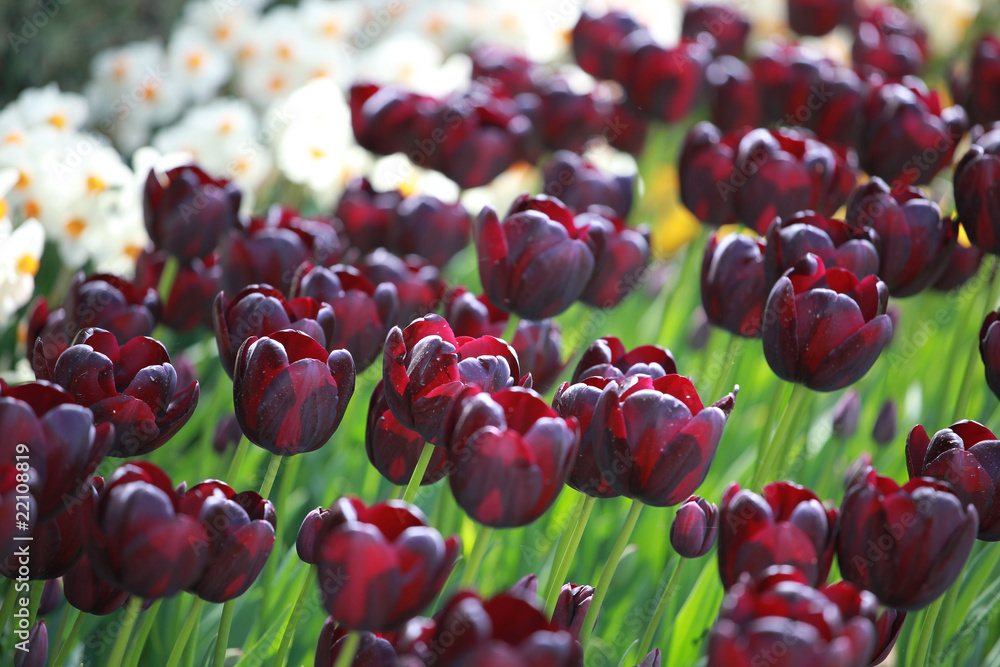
(509, 330)
(294, 618)
(608, 573)
(223, 391)
(478, 553)
(564, 558)
(965, 390)
(418, 473)
(167, 278)
(182, 639)
(8, 605)
(238, 457)
(923, 652)
(225, 624)
(54, 640)
(66, 646)
(272, 472)
(131, 614)
(135, 651)
(733, 352)
(661, 607)
(34, 599)
(944, 618)
(769, 455)
(689, 255)
(350, 647)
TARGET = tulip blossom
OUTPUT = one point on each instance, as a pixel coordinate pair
(977, 191)
(733, 285)
(833, 241)
(695, 527)
(394, 449)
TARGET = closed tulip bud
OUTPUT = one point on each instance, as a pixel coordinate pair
(192, 293)
(227, 434)
(57, 543)
(906, 544)
(652, 659)
(989, 350)
(838, 119)
(846, 413)
(695, 527)
(567, 119)
(538, 346)
(858, 471)
(884, 431)
(471, 315)
(36, 653)
(525, 587)
(728, 27)
(818, 17)
(975, 90)
(52, 597)
(394, 449)
(664, 83)
(824, 328)
(289, 394)
(579, 184)
(790, 83)
(853, 602)
(733, 284)
(597, 43)
(373, 650)
(367, 214)
(889, 39)
(571, 608)
(621, 255)
(88, 592)
(834, 241)
(963, 264)
(788, 525)
(631, 128)
(732, 94)
(426, 226)
(706, 173)
(419, 285)
(578, 401)
(975, 183)
(493, 64)
(607, 358)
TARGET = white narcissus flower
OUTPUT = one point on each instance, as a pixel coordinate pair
(501, 192)
(414, 63)
(24, 151)
(947, 21)
(395, 171)
(64, 112)
(275, 57)
(199, 66)
(20, 254)
(225, 23)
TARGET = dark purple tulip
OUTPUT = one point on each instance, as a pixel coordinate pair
(426, 226)
(732, 94)
(652, 659)
(788, 80)
(473, 316)
(140, 539)
(890, 40)
(579, 184)
(976, 90)
(387, 119)
(961, 266)
(835, 242)
(534, 263)
(914, 242)
(833, 108)
(268, 249)
(597, 44)
(846, 413)
(52, 597)
(907, 137)
(499, 65)
(989, 350)
(511, 454)
(379, 565)
(728, 27)
(526, 587)
(824, 328)
(706, 173)
(240, 529)
(906, 544)
(569, 120)
(966, 456)
(394, 449)
(132, 387)
(664, 83)
(538, 346)
(788, 525)
(367, 214)
(621, 255)
(187, 211)
(88, 592)
(695, 527)
(977, 192)
(261, 310)
(364, 311)
(884, 431)
(780, 620)
(657, 439)
(627, 128)
(227, 434)
(374, 650)
(733, 287)
(818, 17)
(853, 601)
(419, 285)
(425, 366)
(578, 401)
(607, 358)
(290, 395)
(10, 479)
(189, 304)
(571, 608)
(36, 653)
(56, 544)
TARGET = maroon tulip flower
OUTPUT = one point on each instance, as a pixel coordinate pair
(394, 449)
(853, 601)
(578, 401)
(621, 255)
(914, 242)
(788, 525)
(977, 192)
(834, 106)
(884, 431)
(498, 65)
(824, 328)
(989, 350)
(88, 592)
(906, 544)
(974, 91)
(627, 128)
(538, 346)
(728, 27)
(367, 214)
(140, 539)
(535, 262)
(189, 304)
(664, 83)
(780, 620)
(290, 395)
(568, 120)
(379, 565)
(511, 454)
(834, 241)
(706, 167)
(425, 366)
(657, 439)
(52, 597)
(890, 40)
(695, 527)
(963, 264)
(579, 185)
(571, 608)
(240, 529)
(36, 653)
(373, 650)
(818, 17)
(607, 358)
(846, 413)
(426, 226)
(56, 543)
(790, 82)
(132, 387)
(227, 434)
(187, 211)
(473, 316)
(732, 94)
(597, 44)
(10, 479)
(387, 119)
(260, 310)
(966, 456)
(733, 286)
(419, 285)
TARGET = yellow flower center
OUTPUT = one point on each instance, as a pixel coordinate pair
(23, 180)
(195, 60)
(331, 28)
(75, 227)
(58, 120)
(27, 264)
(133, 251)
(32, 209)
(95, 185)
(13, 137)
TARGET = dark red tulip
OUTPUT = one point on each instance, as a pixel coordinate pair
(975, 90)
(426, 226)
(510, 454)
(101, 300)
(835, 242)
(914, 242)
(989, 350)
(833, 108)
(884, 431)
(140, 539)
(538, 346)
(240, 529)
(568, 120)
(52, 597)
(534, 263)
(132, 387)
(425, 366)
(966, 456)
(652, 659)
(373, 650)
(394, 449)
(388, 119)
(789, 82)
(379, 565)
(268, 249)
(364, 311)
(36, 651)
(779, 172)
(578, 401)
(657, 439)
(88, 592)
(607, 358)
(189, 304)
(571, 608)
(732, 94)
(187, 211)
(788, 525)
(824, 328)
(227, 434)
(728, 27)
(56, 543)
(733, 286)
(780, 620)
(906, 544)
(706, 173)
(695, 527)
(907, 137)
(853, 601)
(290, 395)
(419, 285)
(664, 83)
(627, 128)
(977, 192)
(493, 64)
(579, 184)
(526, 586)
(621, 255)
(818, 17)
(471, 315)
(890, 40)
(367, 214)
(846, 413)
(260, 310)
(10, 479)
(597, 43)
(961, 266)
